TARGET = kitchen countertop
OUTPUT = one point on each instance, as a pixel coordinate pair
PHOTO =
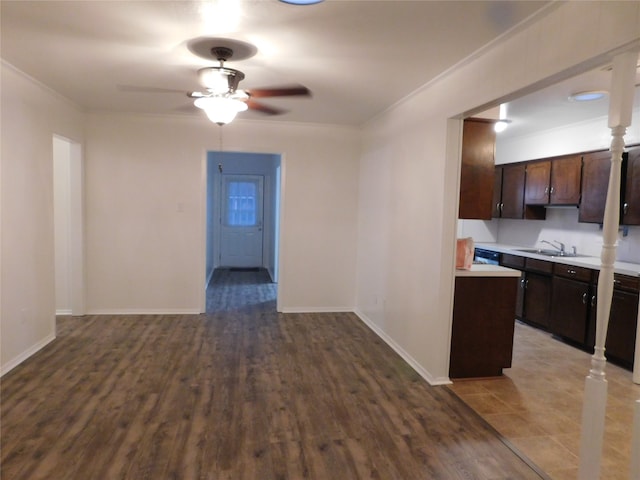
(624, 268)
(482, 270)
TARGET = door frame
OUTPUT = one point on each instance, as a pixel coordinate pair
(274, 214)
(70, 163)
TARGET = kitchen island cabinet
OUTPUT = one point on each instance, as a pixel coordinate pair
(483, 321)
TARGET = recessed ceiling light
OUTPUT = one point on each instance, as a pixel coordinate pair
(301, 2)
(588, 96)
(501, 125)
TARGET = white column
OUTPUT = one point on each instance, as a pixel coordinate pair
(595, 392)
(635, 444)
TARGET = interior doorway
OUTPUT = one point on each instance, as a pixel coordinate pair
(68, 226)
(243, 208)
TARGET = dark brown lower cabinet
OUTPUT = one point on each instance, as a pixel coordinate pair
(562, 300)
(483, 324)
(621, 332)
(570, 309)
(536, 301)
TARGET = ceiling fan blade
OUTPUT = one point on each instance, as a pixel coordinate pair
(279, 91)
(260, 107)
(144, 89)
(196, 95)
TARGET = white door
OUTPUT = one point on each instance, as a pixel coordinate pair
(241, 221)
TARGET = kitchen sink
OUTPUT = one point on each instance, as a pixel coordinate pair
(549, 253)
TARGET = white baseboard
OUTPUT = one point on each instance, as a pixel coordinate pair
(144, 311)
(63, 312)
(11, 364)
(400, 351)
(316, 310)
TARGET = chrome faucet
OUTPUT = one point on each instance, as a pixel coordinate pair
(559, 248)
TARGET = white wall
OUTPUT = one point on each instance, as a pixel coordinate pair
(145, 209)
(30, 115)
(409, 172)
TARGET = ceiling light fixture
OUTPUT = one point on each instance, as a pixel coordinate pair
(301, 2)
(220, 109)
(588, 96)
(502, 124)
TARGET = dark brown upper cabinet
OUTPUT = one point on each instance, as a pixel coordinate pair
(536, 190)
(631, 203)
(554, 181)
(595, 183)
(509, 199)
(566, 173)
(477, 169)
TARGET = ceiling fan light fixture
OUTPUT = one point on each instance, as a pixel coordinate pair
(588, 96)
(220, 110)
(220, 80)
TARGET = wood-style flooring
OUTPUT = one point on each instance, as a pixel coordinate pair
(537, 405)
(240, 393)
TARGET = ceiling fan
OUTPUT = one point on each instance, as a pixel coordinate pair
(222, 99)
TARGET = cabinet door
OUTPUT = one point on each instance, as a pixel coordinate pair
(570, 309)
(513, 178)
(595, 183)
(536, 191)
(536, 299)
(621, 334)
(631, 206)
(565, 180)
(497, 193)
(477, 169)
(520, 296)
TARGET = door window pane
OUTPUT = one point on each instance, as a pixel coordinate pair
(241, 204)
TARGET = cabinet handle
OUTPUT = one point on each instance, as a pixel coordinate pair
(522, 285)
(546, 190)
(571, 272)
(625, 208)
(551, 191)
(584, 298)
(593, 301)
(501, 208)
(616, 282)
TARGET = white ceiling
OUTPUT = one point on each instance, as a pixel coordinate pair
(358, 57)
(550, 107)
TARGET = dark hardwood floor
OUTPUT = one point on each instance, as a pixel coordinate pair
(239, 393)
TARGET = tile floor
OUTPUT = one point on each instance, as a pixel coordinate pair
(537, 405)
